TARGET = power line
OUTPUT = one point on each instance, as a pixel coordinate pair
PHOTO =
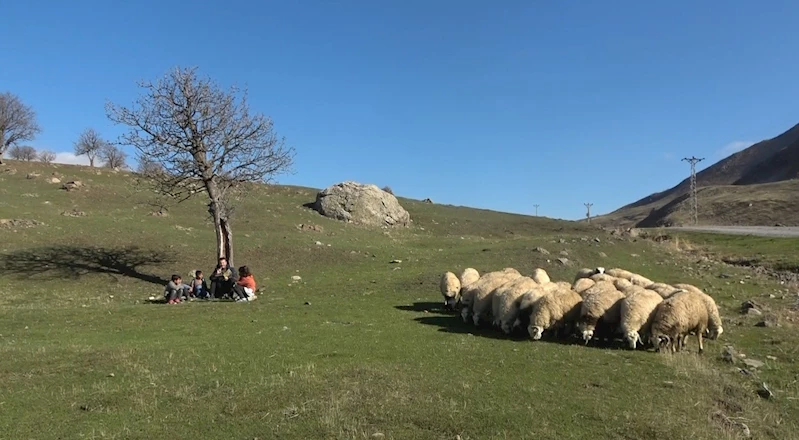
(536, 210)
(694, 202)
(588, 211)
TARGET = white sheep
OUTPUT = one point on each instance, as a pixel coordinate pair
(450, 287)
(541, 276)
(663, 289)
(507, 300)
(555, 312)
(468, 276)
(675, 317)
(634, 278)
(600, 312)
(526, 303)
(714, 325)
(621, 284)
(582, 284)
(587, 273)
(637, 311)
(602, 277)
(476, 298)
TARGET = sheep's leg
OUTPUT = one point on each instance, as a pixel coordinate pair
(699, 340)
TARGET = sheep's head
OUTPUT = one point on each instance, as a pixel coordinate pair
(660, 342)
(450, 302)
(587, 335)
(715, 333)
(633, 338)
(599, 270)
(535, 332)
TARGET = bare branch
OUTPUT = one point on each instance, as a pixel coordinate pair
(47, 156)
(113, 157)
(25, 152)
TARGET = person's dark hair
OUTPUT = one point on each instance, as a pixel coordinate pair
(244, 271)
(175, 277)
(197, 273)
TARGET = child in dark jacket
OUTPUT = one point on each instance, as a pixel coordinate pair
(198, 286)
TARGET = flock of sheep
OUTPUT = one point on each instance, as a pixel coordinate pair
(599, 304)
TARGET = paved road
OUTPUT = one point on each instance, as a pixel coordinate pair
(760, 231)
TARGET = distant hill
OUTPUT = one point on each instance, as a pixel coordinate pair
(763, 175)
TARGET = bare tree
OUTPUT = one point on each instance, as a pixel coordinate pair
(24, 152)
(149, 167)
(205, 139)
(113, 157)
(91, 144)
(17, 122)
(47, 156)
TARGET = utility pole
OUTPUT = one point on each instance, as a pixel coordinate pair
(588, 211)
(536, 210)
(695, 204)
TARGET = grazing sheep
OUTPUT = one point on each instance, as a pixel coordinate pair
(714, 326)
(621, 284)
(602, 277)
(600, 311)
(582, 284)
(663, 289)
(634, 278)
(637, 311)
(587, 273)
(468, 276)
(506, 302)
(555, 312)
(526, 304)
(675, 317)
(477, 297)
(450, 287)
(540, 276)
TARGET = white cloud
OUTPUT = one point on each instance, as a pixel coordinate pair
(733, 147)
(71, 159)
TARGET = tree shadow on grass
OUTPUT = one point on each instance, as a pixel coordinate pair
(72, 262)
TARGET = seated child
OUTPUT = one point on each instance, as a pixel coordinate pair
(198, 286)
(175, 289)
(244, 289)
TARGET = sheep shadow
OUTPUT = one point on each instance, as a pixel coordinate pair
(425, 306)
(72, 262)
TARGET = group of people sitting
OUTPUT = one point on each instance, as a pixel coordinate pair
(225, 284)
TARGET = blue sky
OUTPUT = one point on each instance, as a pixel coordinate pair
(498, 105)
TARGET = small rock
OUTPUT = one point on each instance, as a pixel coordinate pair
(53, 180)
(771, 358)
(319, 243)
(307, 303)
(564, 253)
(754, 312)
(561, 240)
(32, 175)
(754, 364)
(395, 261)
(378, 435)
(750, 305)
(597, 240)
(729, 354)
(767, 323)
(634, 255)
(564, 261)
(724, 275)
(397, 268)
(541, 250)
(603, 255)
(772, 296)
(110, 374)
(296, 278)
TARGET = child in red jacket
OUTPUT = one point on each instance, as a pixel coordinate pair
(244, 290)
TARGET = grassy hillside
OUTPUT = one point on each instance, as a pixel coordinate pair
(732, 179)
(359, 348)
(731, 205)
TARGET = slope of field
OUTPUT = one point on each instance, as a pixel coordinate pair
(358, 348)
(733, 205)
(769, 161)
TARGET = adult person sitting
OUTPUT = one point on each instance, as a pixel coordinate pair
(223, 278)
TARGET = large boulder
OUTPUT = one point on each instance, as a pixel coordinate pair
(361, 203)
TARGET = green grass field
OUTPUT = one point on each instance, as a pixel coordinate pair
(359, 348)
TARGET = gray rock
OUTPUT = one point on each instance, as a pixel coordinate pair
(564, 261)
(361, 203)
(729, 354)
(752, 363)
(564, 253)
(541, 250)
(603, 255)
(768, 322)
(765, 392)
